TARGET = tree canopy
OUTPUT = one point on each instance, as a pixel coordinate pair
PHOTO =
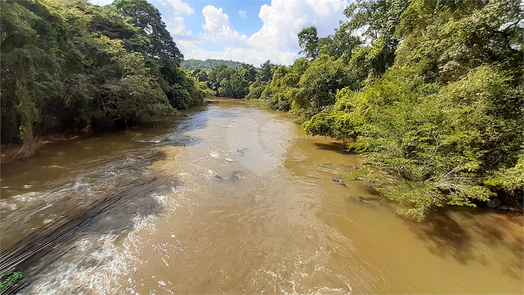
(68, 65)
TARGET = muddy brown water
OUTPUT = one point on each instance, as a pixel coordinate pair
(240, 201)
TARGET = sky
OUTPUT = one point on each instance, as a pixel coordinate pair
(251, 31)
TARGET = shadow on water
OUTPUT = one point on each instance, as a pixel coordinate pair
(339, 147)
(464, 239)
(448, 237)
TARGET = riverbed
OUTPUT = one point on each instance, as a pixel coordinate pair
(233, 198)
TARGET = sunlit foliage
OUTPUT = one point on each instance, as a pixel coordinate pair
(70, 64)
(429, 92)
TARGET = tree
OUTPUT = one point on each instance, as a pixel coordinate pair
(145, 16)
(68, 65)
(308, 41)
(319, 84)
(342, 43)
(266, 71)
(200, 75)
(248, 72)
(377, 19)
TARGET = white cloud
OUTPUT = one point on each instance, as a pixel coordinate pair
(180, 7)
(277, 39)
(215, 19)
(101, 2)
(177, 27)
(217, 24)
(284, 19)
(242, 13)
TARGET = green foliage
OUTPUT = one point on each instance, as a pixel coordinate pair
(438, 118)
(200, 75)
(256, 89)
(338, 125)
(229, 82)
(511, 179)
(341, 44)
(146, 17)
(308, 41)
(266, 71)
(66, 65)
(9, 278)
(208, 64)
(318, 85)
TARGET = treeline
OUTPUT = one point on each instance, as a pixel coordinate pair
(227, 81)
(428, 92)
(70, 64)
(208, 64)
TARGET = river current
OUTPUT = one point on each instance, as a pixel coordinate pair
(233, 198)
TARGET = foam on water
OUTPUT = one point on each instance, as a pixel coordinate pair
(96, 264)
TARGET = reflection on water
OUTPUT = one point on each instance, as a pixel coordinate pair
(242, 202)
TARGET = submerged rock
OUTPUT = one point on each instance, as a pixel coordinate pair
(494, 203)
(338, 180)
(236, 175)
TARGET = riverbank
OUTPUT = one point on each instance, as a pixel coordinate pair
(16, 152)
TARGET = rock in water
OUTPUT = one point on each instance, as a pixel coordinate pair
(236, 175)
(338, 180)
(494, 203)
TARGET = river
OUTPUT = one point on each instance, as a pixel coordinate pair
(232, 198)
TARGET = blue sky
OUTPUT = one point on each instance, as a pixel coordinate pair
(251, 31)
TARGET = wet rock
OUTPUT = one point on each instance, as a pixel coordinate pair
(218, 177)
(362, 200)
(494, 203)
(236, 175)
(358, 199)
(504, 208)
(338, 180)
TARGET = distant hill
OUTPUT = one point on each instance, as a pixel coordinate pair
(192, 64)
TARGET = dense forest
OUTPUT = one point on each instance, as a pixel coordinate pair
(208, 64)
(71, 65)
(227, 81)
(428, 92)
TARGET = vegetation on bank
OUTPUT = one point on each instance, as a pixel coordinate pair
(227, 81)
(430, 92)
(208, 64)
(9, 278)
(70, 64)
